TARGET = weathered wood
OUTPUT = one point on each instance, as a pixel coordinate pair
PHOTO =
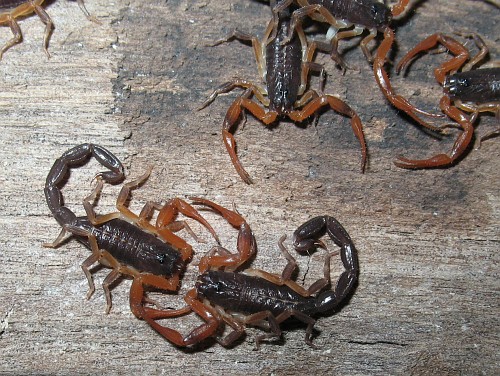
(427, 300)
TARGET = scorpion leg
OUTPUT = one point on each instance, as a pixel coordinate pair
(384, 83)
(483, 50)
(459, 147)
(451, 66)
(231, 85)
(232, 116)
(16, 39)
(334, 45)
(236, 325)
(275, 321)
(61, 238)
(110, 278)
(258, 47)
(49, 26)
(245, 245)
(286, 275)
(399, 7)
(208, 328)
(339, 106)
(98, 255)
(495, 132)
(364, 43)
(91, 260)
(91, 18)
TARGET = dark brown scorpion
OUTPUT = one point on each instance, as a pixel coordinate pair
(285, 69)
(254, 296)
(152, 255)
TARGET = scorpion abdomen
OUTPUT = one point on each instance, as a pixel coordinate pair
(248, 294)
(136, 248)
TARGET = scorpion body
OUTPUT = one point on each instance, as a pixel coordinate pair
(11, 10)
(253, 296)
(469, 90)
(127, 243)
(131, 246)
(479, 85)
(284, 67)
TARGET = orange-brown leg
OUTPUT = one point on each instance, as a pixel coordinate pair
(334, 45)
(246, 246)
(459, 147)
(137, 296)
(483, 50)
(286, 275)
(384, 83)
(232, 116)
(49, 26)
(207, 329)
(399, 7)
(340, 107)
(16, 39)
(24, 9)
(451, 66)
(165, 224)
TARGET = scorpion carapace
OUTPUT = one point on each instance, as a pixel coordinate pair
(285, 68)
(11, 10)
(152, 255)
(472, 91)
(253, 297)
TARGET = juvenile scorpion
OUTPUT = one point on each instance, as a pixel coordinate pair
(472, 91)
(284, 67)
(123, 241)
(251, 297)
(10, 10)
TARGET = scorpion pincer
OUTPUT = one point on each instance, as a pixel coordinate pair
(152, 255)
(251, 297)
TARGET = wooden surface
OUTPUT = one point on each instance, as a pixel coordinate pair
(428, 295)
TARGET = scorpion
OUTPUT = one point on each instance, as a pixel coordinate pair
(14, 9)
(128, 243)
(358, 15)
(237, 299)
(285, 69)
(472, 91)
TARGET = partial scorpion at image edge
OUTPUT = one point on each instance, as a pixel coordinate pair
(11, 10)
(473, 91)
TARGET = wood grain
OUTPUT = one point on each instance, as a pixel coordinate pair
(428, 296)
